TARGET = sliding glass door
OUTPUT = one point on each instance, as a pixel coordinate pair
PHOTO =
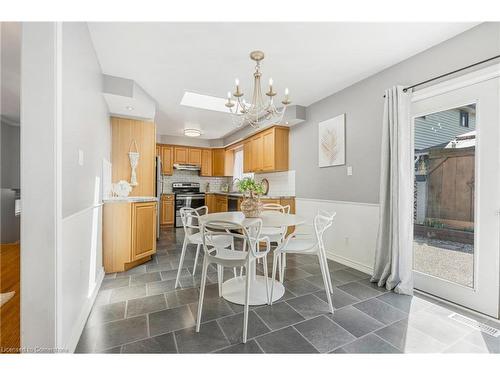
(456, 193)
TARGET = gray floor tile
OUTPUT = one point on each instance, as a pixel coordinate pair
(464, 346)
(114, 350)
(286, 340)
(182, 297)
(160, 267)
(313, 269)
(114, 283)
(132, 271)
(128, 292)
(324, 334)
(102, 297)
(369, 284)
(158, 344)
(171, 275)
(381, 311)
(443, 330)
(120, 332)
(335, 266)
(233, 327)
(278, 315)
(370, 344)
(484, 341)
(344, 276)
(170, 320)
(144, 305)
(360, 275)
(160, 287)
(213, 308)
(309, 306)
(295, 274)
(359, 291)
(408, 339)
(317, 281)
(339, 298)
(107, 313)
(209, 339)
(300, 287)
(403, 302)
(355, 321)
(144, 278)
(250, 347)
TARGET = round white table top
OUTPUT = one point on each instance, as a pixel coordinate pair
(269, 218)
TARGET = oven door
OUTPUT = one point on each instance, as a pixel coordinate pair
(195, 201)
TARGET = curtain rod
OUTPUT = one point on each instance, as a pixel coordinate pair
(450, 73)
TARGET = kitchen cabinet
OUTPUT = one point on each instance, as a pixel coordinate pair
(266, 151)
(129, 234)
(181, 155)
(218, 157)
(247, 157)
(210, 202)
(124, 132)
(167, 213)
(194, 156)
(206, 162)
(220, 203)
(167, 160)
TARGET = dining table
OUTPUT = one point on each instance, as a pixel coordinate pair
(233, 289)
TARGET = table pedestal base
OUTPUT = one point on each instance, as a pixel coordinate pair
(233, 290)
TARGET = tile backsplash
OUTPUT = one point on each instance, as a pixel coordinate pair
(280, 183)
(193, 176)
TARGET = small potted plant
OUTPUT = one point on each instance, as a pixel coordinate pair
(251, 206)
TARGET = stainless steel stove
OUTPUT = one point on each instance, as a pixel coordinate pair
(187, 194)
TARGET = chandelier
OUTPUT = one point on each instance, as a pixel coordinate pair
(260, 112)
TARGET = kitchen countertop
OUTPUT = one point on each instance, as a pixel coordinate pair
(129, 199)
(233, 194)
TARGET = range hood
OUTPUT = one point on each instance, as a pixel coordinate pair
(187, 167)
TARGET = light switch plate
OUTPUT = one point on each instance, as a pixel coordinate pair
(349, 170)
(80, 157)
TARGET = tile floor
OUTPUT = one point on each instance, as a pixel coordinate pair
(139, 311)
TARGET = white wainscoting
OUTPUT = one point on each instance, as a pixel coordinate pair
(82, 272)
(354, 234)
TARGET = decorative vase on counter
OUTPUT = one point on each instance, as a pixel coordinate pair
(251, 206)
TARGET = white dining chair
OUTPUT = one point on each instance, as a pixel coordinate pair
(302, 242)
(248, 240)
(192, 235)
(277, 234)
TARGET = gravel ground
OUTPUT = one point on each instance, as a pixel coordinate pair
(447, 260)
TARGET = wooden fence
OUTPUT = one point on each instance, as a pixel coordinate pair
(450, 187)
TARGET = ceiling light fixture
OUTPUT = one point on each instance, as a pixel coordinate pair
(129, 108)
(258, 113)
(192, 132)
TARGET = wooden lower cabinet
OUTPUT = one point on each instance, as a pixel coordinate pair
(167, 213)
(220, 203)
(129, 234)
(210, 202)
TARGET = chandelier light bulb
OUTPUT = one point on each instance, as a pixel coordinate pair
(229, 94)
(237, 82)
(270, 82)
(286, 91)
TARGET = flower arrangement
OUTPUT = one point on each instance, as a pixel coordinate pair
(251, 206)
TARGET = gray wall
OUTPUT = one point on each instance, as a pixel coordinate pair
(85, 119)
(10, 156)
(363, 105)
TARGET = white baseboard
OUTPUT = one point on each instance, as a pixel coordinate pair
(84, 314)
(350, 263)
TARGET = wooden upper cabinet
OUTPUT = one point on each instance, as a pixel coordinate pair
(181, 155)
(257, 153)
(194, 156)
(266, 151)
(218, 158)
(206, 162)
(228, 162)
(167, 160)
(247, 157)
(143, 230)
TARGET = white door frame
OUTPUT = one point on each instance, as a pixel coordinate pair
(457, 293)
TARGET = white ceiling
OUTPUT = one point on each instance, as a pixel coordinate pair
(313, 60)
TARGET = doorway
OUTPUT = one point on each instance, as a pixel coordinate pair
(456, 190)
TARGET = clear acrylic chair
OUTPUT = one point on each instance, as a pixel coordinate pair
(192, 235)
(247, 252)
(305, 242)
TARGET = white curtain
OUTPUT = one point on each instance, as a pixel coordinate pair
(394, 248)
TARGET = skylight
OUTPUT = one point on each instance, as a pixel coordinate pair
(212, 103)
